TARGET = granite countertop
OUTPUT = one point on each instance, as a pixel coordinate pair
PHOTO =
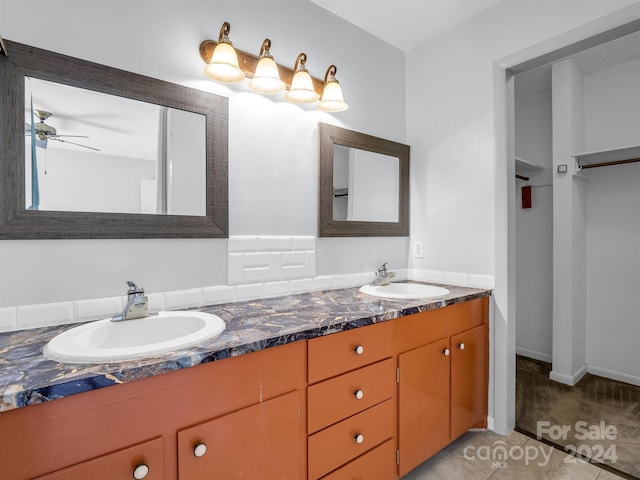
(27, 377)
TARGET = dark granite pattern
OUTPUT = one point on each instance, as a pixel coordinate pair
(27, 377)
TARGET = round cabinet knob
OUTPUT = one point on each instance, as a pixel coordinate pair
(359, 394)
(141, 471)
(445, 352)
(359, 438)
(461, 346)
(200, 449)
(359, 349)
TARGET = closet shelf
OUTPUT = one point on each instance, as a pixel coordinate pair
(612, 156)
(523, 165)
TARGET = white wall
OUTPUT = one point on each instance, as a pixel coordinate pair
(452, 131)
(612, 106)
(101, 183)
(534, 226)
(612, 119)
(613, 272)
(450, 124)
(569, 226)
(186, 183)
(273, 152)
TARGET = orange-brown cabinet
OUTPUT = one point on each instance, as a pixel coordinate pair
(140, 462)
(442, 378)
(247, 412)
(351, 405)
(260, 441)
(341, 406)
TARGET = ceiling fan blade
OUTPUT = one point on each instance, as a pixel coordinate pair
(76, 136)
(73, 143)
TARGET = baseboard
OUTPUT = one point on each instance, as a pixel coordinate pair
(490, 423)
(613, 375)
(525, 352)
(570, 380)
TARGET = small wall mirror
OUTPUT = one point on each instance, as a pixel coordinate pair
(96, 152)
(364, 184)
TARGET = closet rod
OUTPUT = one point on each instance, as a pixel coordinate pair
(522, 177)
(604, 164)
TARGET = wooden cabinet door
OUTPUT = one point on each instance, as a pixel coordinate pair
(469, 379)
(423, 396)
(147, 458)
(264, 441)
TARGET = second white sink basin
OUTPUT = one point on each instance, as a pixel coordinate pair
(105, 341)
(407, 291)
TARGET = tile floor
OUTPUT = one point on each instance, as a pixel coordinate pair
(481, 455)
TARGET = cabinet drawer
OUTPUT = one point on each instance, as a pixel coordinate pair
(338, 353)
(413, 331)
(340, 397)
(379, 464)
(334, 446)
(117, 465)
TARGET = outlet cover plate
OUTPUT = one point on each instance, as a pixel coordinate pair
(418, 249)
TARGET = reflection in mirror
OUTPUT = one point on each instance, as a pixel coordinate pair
(87, 151)
(366, 185)
(151, 174)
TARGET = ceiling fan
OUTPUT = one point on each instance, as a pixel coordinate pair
(45, 132)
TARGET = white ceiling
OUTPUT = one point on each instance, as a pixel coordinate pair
(406, 24)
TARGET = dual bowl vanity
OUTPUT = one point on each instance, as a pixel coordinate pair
(308, 386)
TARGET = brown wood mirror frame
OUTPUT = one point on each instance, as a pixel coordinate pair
(18, 223)
(330, 135)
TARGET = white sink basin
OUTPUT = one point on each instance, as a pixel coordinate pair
(105, 341)
(407, 291)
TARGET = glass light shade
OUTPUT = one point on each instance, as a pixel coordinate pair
(266, 79)
(224, 64)
(332, 100)
(302, 90)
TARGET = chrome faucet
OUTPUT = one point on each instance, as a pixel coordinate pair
(137, 304)
(383, 276)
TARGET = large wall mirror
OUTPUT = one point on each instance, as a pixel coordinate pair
(364, 185)
(89, 151)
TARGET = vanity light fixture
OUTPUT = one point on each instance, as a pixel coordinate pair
(332, 99)
(301, 90)
(223, 65)
(266, 78)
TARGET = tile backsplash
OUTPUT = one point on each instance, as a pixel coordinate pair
(259, 267)
(271, 259)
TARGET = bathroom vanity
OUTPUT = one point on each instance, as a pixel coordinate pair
(326, 385)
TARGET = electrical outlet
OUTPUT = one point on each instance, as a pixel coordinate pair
(418, 249)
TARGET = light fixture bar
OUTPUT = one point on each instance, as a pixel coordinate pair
(248, 62)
